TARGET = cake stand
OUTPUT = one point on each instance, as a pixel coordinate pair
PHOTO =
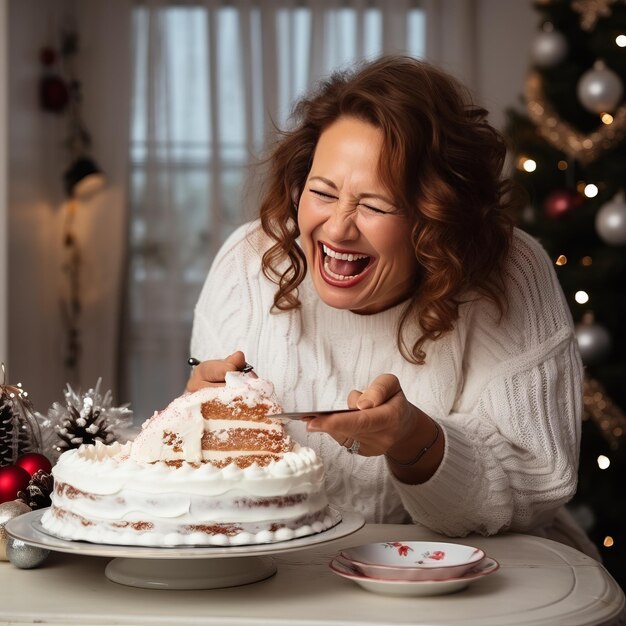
(182, 567)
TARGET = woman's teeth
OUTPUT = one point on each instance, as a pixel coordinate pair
(342, 255)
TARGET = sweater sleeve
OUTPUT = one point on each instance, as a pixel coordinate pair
(513, 432)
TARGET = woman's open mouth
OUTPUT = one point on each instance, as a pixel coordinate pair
(343, 268)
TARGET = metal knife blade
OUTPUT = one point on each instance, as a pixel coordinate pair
(298, 415)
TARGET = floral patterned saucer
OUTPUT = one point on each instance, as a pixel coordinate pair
(414, 587)
(413, 560)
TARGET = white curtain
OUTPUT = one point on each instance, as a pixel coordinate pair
(452, 37)
(211, 81)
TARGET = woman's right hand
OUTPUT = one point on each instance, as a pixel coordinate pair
(213, 373)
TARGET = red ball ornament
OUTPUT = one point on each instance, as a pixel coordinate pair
(32, 462)
(12, 480)
(53, 94)
(47, 56)
(562, 202)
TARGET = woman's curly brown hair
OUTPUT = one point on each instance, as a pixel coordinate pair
(441, 162)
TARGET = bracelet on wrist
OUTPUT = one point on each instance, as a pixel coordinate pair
(420, 454)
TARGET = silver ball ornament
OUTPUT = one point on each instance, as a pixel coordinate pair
(600, 89)
(9, 510)
(25, 556)
(611, 221)
(549, 49)
(594, 342)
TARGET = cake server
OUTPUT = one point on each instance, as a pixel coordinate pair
(245, 369)
(298, 415)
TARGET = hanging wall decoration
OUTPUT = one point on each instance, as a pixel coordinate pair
(61, 92)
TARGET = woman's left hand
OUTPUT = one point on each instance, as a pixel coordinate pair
(386, 418)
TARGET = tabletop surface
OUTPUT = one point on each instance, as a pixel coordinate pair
(539, 582)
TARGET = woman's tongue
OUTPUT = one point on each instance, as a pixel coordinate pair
(347, 268)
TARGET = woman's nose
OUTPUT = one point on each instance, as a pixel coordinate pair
(341, 224)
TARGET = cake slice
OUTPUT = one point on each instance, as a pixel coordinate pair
(218, 425)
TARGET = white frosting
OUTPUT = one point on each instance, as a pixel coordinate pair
(129, 494)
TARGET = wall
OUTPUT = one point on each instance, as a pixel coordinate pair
(4, 219)
(485, 44)
(34, 211)
(505, 30)
(38, 210)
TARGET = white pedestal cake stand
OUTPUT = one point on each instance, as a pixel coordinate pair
(183, 567)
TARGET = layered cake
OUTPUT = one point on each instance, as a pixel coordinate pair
(210, 469)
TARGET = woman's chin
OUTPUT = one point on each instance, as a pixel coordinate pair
(346, 299)
(334, 296)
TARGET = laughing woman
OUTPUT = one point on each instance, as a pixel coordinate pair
(385, 274)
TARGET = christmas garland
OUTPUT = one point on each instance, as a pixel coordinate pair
(585, 148)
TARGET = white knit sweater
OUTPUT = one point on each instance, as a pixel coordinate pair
(507, 393)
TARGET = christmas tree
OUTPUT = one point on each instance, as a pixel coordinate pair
(569, 148)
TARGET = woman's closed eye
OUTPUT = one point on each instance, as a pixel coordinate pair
(329, 197)
(374, 209)
(323, 194)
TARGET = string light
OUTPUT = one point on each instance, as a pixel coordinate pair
(608, 541)
(591, 191)
(526, 164)
(562, 260)
(562, 165)
(603, 462)
(606, 118)
(581, 297)
(620, 40)
(586, 261)
(599, 407)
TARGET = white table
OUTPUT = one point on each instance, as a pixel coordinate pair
(539, 582)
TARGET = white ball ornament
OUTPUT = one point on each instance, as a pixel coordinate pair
(611, 221)
(600, 89)
(25, 556)
(9, 510)
(549, 49)
(594, 342)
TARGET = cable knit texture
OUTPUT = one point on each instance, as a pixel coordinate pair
(506, 392)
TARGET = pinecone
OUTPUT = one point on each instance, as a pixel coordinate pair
(84, 427)
(37, 493)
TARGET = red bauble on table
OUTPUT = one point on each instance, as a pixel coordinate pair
(12, 480)
(562, 202)
(32, 462)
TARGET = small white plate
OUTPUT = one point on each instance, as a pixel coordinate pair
(416, 587)
(413, 560)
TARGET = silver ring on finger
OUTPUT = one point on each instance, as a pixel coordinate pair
(354, 448)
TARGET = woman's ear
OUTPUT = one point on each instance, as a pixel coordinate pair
(295, 199)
